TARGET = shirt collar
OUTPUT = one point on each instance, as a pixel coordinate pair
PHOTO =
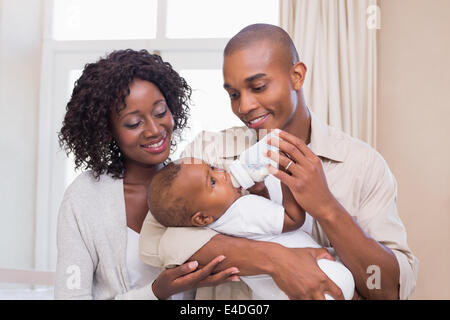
(324, 140)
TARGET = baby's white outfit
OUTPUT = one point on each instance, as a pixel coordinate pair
(257, 218)
(252, 217)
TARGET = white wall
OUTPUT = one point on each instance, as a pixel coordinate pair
(413, 129)
(20, 60)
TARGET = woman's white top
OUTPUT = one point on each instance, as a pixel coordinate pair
(139, 274)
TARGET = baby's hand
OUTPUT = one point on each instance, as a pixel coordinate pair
(259, 189)
(295, 214)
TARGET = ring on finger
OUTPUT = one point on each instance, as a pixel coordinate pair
(289, 164)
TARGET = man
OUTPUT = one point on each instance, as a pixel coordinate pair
(343, 184)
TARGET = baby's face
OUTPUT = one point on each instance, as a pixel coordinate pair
(210, 189)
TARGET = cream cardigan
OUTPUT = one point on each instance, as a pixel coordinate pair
(92, 242)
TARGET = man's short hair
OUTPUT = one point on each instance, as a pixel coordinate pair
(262, 32)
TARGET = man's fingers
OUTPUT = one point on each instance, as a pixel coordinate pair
(284, 162)
(318, 296)
(334, 291)
(300, 144)
(281, 175)
(289, 149)
(326, 255)
(322, 253)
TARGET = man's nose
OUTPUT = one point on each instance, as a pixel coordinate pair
(247, 103)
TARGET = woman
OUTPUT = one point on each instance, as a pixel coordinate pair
(119, 125)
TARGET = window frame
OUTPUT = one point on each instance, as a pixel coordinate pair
(48, 193)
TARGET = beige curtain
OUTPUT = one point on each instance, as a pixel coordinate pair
(337, 43)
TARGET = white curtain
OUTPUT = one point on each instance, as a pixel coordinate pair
(338, 46)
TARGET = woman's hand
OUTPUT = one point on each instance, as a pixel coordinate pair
(184, 277)
(306, 180)
(300, 277)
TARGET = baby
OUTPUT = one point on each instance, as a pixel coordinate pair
(191, 193)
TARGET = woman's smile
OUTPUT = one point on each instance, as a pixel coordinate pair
(157, 146)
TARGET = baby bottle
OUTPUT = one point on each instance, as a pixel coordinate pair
(251, 166)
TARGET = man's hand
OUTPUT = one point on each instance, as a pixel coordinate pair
(307, 180)
(294, 270)
(300, 277)
(356, 249)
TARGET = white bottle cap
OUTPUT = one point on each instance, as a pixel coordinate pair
(234, 182)
(240, 174)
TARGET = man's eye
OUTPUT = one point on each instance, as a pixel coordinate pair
(260, 88)
(213, 182)
(234, 96)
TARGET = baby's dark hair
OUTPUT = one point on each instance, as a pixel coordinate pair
(168, 207)
(101, 89)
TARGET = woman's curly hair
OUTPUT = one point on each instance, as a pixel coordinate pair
(102, 89)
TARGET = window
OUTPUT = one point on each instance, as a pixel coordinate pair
(190, 34)
(216, 19)
(104, 19)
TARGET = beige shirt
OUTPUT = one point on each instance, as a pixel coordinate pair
(357, 175)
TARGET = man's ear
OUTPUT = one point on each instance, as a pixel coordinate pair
(199, 219)
(298, 74)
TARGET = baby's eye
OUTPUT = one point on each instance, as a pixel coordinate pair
(213, 182)
(213, 168)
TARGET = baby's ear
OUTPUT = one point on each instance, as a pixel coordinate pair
(199, 219)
